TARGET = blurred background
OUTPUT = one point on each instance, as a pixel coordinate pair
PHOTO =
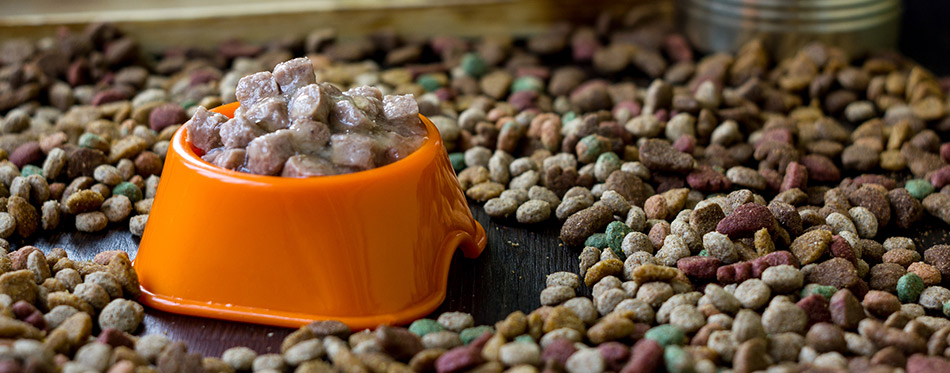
(919, 28)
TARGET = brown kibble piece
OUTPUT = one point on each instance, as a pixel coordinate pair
(846, 310)
(810, 246)
(585, 223)
(26, 216)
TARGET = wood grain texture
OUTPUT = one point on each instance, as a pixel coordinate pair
(158, 24)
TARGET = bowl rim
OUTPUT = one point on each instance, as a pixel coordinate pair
(418, 158)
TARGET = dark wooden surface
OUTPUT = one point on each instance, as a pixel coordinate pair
(508, 276)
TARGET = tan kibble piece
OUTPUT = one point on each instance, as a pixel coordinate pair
(763, 242)
(610, 328)
(73, 332)
(83, 201)
(485, 191)
(810, 246)
(91, 221)
(610, 267)
(512, 326)
(651, 272)
(562, 317)
(12, 328)
(19, 285)
(62, 298)
(121, 268)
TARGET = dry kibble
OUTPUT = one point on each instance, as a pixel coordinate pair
(783, 316)
(500, 207)
(554, 295)
(655, 293)
(533, 211)
(239, 358)
(722, 299)
(783, 278)
(687, 318)
(116, 208)
(934, 297)
(864, 221)
(137, 224)
(7, 224)
(121, 314)
(91, 221)
(83, 201)
(753, 293)
(456, 321)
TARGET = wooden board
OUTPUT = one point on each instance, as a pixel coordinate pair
(157, 24)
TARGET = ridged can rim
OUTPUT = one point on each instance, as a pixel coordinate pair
(882, 9)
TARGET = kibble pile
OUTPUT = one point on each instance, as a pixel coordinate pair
(730, 211)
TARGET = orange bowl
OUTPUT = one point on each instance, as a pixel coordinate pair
(365, 248)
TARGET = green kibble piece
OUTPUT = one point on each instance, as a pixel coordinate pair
(677, 360)
(703, 252)
(31, 170)
(616, 231)
(825, 291)
(429, 82)
(189, 103)
(919, 188)
(946, 308)
(589, 148)
(568, 116)
(909, 287)
(666, 335)
(524, 338)
(609, 158)
(92, 141)
(128, 189)
(458, 161)
(527, 83)
(474, 65)
(598, 240)
(470, 334)
(422, 327)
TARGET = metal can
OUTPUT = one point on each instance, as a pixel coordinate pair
(856, 26)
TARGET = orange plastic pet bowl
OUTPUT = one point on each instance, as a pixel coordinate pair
(366, 248)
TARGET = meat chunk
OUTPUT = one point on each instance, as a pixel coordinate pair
(306, 166)
(331, 89)
(346, 116)
(396, 147)
(310, 102)
(402, 115)
(310, 136)
(372, 106)
(293, 74)
(255, 87)
(365, 91)
(267, 154)
(231, 159)
(353, 150)
(269, 113)
(212, 155)
(238, 132)
(203, 129)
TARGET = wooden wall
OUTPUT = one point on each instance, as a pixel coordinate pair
(160, 23)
